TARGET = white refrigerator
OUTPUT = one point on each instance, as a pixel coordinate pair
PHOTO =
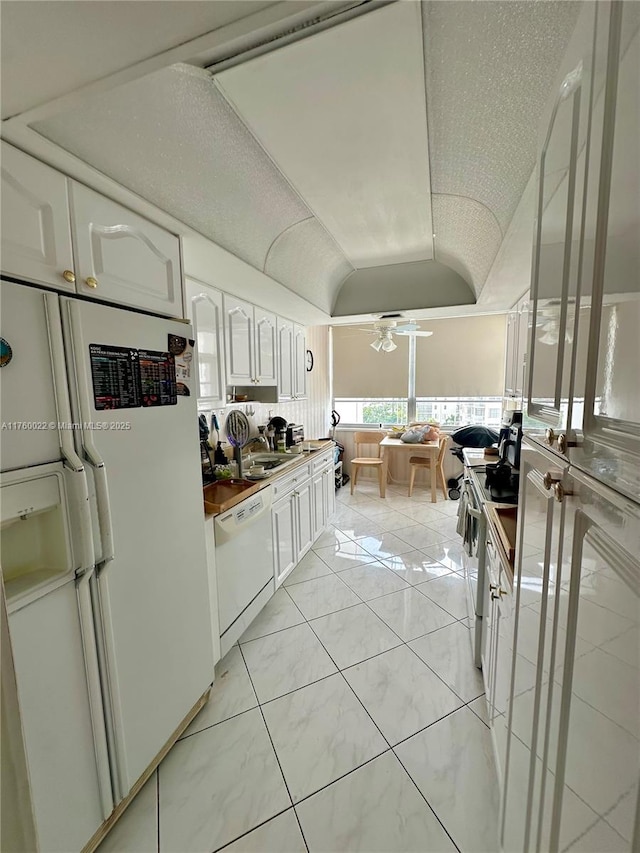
(103, 550)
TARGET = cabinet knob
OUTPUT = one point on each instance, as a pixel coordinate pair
(560, 492)
(564, 443)
(91, 282)
(492, 586)
(550, 478)
(550, 436)
(70, 276)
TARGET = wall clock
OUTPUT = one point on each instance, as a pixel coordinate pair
(309, 361)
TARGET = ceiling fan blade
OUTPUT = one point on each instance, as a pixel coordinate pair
(416, 333)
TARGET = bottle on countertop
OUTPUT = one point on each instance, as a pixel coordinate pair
(282, 441)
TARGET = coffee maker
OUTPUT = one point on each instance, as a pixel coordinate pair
(510, 438)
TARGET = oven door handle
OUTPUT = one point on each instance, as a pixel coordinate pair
(475, 513)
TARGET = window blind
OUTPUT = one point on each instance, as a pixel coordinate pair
(464, 357)
(361, 372)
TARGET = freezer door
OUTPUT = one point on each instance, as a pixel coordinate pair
(27, 399)
(153, 599)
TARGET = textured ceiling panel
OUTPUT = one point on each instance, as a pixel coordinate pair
(343, 114)
(401, 287)
(172, 138)
(485, 106)
(467, 237)
(53, 48)
(306, 259)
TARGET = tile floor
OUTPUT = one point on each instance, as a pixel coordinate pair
(349, 717)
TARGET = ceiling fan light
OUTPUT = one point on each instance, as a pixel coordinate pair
(377, 344)
(388, 345)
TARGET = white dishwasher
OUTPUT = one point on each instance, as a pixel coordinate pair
(244, 563)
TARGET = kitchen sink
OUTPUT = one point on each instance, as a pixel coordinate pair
(268, 460)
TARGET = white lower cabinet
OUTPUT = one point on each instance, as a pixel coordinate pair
(319, 504)
(47, 642)
(292, 518)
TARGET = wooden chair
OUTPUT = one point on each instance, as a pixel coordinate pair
(362, 439)
(416, 462)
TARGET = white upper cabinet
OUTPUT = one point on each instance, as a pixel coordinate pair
(123, 258)
(203, 307)
(300, 362)
(265, 347)
(608, 446)
(36, 238)
(285, 359)
(250, 342)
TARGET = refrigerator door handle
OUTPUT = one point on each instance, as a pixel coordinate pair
(95, 693)
(90, 451)
(74, 467)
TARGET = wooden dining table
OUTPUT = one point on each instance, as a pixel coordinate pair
(394, 445)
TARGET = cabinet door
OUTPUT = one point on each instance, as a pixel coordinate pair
(594, 719)
(319, 505)
(610, 446)
(305, 518)
(521, 353)
(123, 258)
(558, 253)
(239, 339)
(56, 718)
(300, 362)
(204, 309)
(286, 357)
(502, 665)
(36, 237)
(265, 348)
(537, 641)
(283, 517)
(490, 619)
(330, 493)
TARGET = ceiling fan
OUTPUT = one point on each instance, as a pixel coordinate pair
(384, 330)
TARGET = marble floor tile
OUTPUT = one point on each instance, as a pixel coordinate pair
(310, 566)
(479, 708)
(285, 661)
(330, 536)
(231, 693)
(344, 515)
(372, 581)
(137, 829)
(415, 567)
(448, 507)
(345, 555)
(448, 653)
(375, 809)
(445, 524)
(353, 635)
(278, 613)
(281, 834)
(601, 838)
(218, 784)
(392, 521)
(383, 545)
(449, 553)
(419, 536)
(449, 592)
(452, 763)
(410, 614)
(372, 509)
(401, 693)
(320, 732)
(363, 527)
(322, 595)
(424, 513)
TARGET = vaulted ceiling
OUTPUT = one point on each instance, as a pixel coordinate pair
(372, 165)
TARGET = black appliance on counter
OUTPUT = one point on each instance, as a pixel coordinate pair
(501, 482)
(295, 434)
(474, 435)
(510, 440)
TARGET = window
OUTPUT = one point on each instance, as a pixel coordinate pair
(458, 374)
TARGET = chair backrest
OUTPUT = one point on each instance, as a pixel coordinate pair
(444, 440)
(369, 438)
